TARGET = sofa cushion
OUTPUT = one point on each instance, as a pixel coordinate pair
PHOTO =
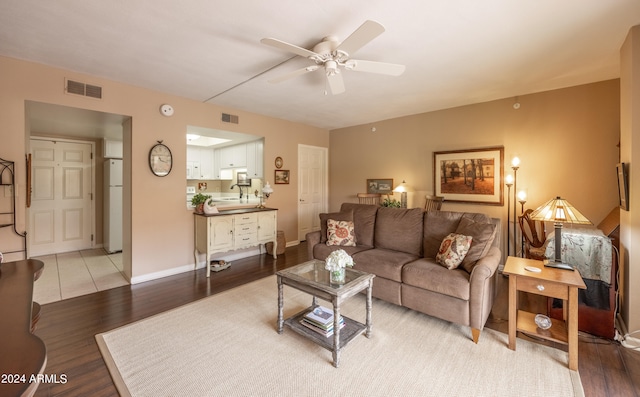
(427, 274)
(340, 233)
(364, 219)
(483, 235)
(321, 251)
(453, 250)
(383, 263)
(338, 216)
(399, 229)
(438, 224)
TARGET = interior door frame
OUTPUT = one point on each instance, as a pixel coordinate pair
(93, 183)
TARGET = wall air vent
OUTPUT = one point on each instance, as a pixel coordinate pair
(78, 88)
(229, 118)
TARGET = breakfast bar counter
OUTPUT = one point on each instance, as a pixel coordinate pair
(238, 210)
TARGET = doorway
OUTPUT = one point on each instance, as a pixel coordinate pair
(61, 214)
(312, 188)
(63, 124)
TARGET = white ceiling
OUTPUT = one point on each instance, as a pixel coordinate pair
(456, 52)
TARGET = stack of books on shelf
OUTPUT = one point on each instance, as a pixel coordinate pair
(321, 321)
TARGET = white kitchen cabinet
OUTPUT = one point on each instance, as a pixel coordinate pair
(233, 156)
(255, 159)
(193, 170)
(222, 233)
(111, 149)
(207, 159)
(200, 163)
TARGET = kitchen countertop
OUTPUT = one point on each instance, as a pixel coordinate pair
(228, 201)
(235, 211)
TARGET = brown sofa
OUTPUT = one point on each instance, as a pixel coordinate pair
(399, 246)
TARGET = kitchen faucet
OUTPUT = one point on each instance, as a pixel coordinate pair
(239, 187)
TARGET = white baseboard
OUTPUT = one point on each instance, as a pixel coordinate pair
(227, 256)
(164, 273)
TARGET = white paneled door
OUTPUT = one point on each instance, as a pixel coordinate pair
(312, 188)
(60, 216)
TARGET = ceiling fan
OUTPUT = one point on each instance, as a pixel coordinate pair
(333, 57)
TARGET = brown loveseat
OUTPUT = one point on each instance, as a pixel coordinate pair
(399, 246)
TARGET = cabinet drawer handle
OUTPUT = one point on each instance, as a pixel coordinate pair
(540, 287)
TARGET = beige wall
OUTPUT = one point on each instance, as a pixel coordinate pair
(566, 140)
(630, 149)
(161, 228)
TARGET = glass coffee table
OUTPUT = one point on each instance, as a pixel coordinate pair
(311, 277)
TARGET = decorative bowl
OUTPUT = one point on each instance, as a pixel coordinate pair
(542, 321)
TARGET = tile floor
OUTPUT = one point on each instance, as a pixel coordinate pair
(77, 273)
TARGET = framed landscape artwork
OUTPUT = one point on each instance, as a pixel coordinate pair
(382, 186)
(470, 176)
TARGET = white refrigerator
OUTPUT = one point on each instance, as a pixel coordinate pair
(112, 213)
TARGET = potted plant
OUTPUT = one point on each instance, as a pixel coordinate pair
(389, 202)
(198, 201)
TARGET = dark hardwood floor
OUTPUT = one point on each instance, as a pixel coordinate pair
(68, 328)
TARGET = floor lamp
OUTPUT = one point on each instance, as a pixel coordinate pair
(522, 199)
(515, 164)
(509, 183)
(559, 211)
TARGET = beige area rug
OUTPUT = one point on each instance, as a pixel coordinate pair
(227, 345)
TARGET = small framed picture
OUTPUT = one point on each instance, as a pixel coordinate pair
(382, 186)
(243, 179)
(281, 177)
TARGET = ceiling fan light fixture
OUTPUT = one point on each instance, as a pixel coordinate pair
(331, 67)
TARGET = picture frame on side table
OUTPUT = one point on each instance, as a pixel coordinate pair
(281, 177)
(381, 185)
(470, 176)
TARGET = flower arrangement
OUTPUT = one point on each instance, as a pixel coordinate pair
(336, 263)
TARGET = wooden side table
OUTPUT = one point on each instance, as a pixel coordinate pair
(550, 282)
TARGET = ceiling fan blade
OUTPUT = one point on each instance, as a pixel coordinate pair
(336, 83)
(294, 74)
(368, 31)
(279, 44)
(390, 69)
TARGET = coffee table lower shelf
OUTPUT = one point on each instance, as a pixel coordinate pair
(350, 331)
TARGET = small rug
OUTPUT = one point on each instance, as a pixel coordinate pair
(227, 345)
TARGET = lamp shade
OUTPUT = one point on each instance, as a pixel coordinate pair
(560, 211)
(402, 188)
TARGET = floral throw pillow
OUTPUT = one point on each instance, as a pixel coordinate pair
(453, 249)
(340, 233)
